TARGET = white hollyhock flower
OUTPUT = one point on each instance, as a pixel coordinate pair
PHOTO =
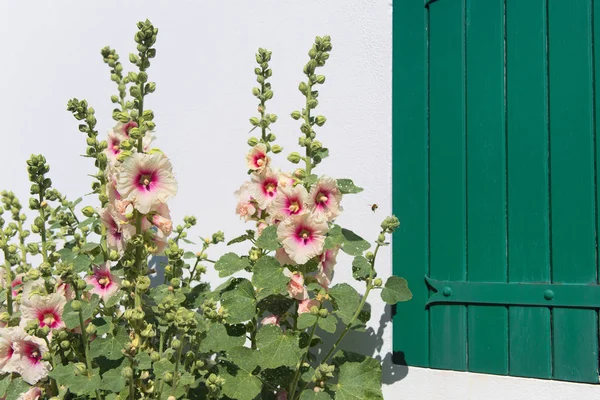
(46, 310)
(302, 236)
(325, 197)
(29, 363)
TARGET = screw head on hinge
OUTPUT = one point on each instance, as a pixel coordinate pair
(548, 294)
(447, 291)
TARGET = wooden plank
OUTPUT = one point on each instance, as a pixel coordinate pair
(447, 223)
(596, 77)
(410, 179)
(572, 191)
(528, 197)
(486, 181)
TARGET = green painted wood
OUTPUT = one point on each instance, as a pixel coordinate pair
(410, 178)
(596, 75)
(486, 181)
(571, 295)
(530, 351)
(447, 178)
(572, 191)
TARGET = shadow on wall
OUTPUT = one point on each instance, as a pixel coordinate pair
(369, 342)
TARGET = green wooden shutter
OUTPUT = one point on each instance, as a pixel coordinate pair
(495, 169)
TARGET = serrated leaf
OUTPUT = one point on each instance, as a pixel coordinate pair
(188, 254)
(113, 380)
(346, 301)
(240, 239)
(311, 179)
(81, 263)
(361, 268)
(230, 263)
(109, 347)
(143, 361)
(396, 290)
(328, 324)
(268, 277)
(305, 320)
(277, 348)
(359, 380)
(217, 339)
(89, 247)
(16, 388)
(239, 303)
(347, 186)
(353, 244)
(312, 395)
(103, 325)
(79, 384)
(66, 254)
(268, 239)
(87, 221)
(114, 300)
(4, 382)
(163, 365)
(240, 383)
(244, 358)
(334, 238)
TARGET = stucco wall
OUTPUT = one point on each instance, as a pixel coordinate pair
(204, 73)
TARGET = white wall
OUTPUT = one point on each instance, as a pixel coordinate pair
(204, 73)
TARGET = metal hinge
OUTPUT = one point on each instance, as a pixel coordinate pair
(573, 295)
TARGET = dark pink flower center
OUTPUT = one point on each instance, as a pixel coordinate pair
(32, 352)
(128, 126)
(269, 187)
(304, 234)
(293, 205)
(322, 199)
(48, 317)
(114, 145)
(103, 281)
(259, 159)
(146, 180)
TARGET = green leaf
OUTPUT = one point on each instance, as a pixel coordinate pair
(312, 395)
(113, 380)
(217, 339)
(328, 324)
(268, 239)
(88, 310)
(239, 303)
(79, 384)
(240, 383)
(346, 301)
(244, 357)
(81, 263)
(361, 268)
(305, 320)
(114, 300)
(242, 238)
(346, 186)
(109, 347)
(163, 365)
(353, 244)
(396, 290)
(4, 382)
(15, 388)
(103, 325)
(311, 179)
(89, 247)
(277, 348)
(230, 263)
(189, 254)
(334, 238)
(66, 254)
(359, 380)
(143, 360)
(268, 277)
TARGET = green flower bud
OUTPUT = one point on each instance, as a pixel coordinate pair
(296, 115)
(218, 237)
(65, 344)
(320, 120)
(126, 284)
(390, 224)
(254, 121)
(143, 283)
(369, 255)
(33, 274)
(113, 255)
(303, 88)
(127, 372)
(314, 310)
(378, 282)
(316, 145)
(167, 377)
(4, 317)
(155, 356)
(148, 114)
(175, 344)
(255, 91)
(142, 77)
(133, 58)
(294, 157)
(276, 149)
(320, 79)
(12, 249)
(79, 368)
(323, 313)
(90, 329)
(150, 87)
(88, 211)
(175, 282)
(76, 305)
(47, 356)
(133, 77)
(381, 237)
(272, 118)
(80, 284)
(199, 364)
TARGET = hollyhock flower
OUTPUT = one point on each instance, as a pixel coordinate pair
(8, 339)
(32, 288)
(104, 283)
(302, 236)
(305, 305)
(113, 148)
(264, 188)
(118, 232)
(47, 310)
(246, 206)
(257, 158)
(283, 258)
(29, 363)
(296, 288)
(16, 282)
(161, 219)
(289, 201)
(271, 320)
(325, 272)
(33, 393)
(325, 197)
(122, 129)
(64, 289)
(146, 180)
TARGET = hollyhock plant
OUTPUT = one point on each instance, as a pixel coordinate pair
(88, 312)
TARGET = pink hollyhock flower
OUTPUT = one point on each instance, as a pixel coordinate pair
(104, 283)
(325, 197)
(47, 310)
(113, 148)
(263, 188)
(29, 363)
(122, 129)
(118, 232)
(33, 393)
(302, 236)
(64, 289)
(257, 158)
(305, 305)
(283, 258)
(8, 339)
(289, 201)
(325, 272)
(161, 220)
(285, 180)
(246, 206)
(271, 320)
(296, 288)
(146, 180)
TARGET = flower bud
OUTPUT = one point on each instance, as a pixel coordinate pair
(127, 372)
(76, 305)
(88, 211)
(271, 137)
(381, 237)
(175, 282)
(272, 118)
(79, 368)
(80, 284)
(254, 121)
(294, 157)
(4, 317)
(303, 88)
(252, 141)
(320, 79)
(323, 313)
(90, 329)
(65, 344)
(255, 91)
(296, 115)
(47, 356)
(176, 344)
(390, 224)
(276, 149)
(142, 77)
(155, 356)
(114, 99)
(167, 377)
(143, 283)
(314, 310)
(114, 255)
(320, 120)
(369, 255)
(377, 282)
(33, 274)
(133, 58)
(150, 87)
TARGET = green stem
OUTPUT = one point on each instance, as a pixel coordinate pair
(294, 384)
(131, 381)
(85, 342)
(253, 333)
(43, 228)
(22, 244)
(177, 362)
(9, 299)
(308, 157)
